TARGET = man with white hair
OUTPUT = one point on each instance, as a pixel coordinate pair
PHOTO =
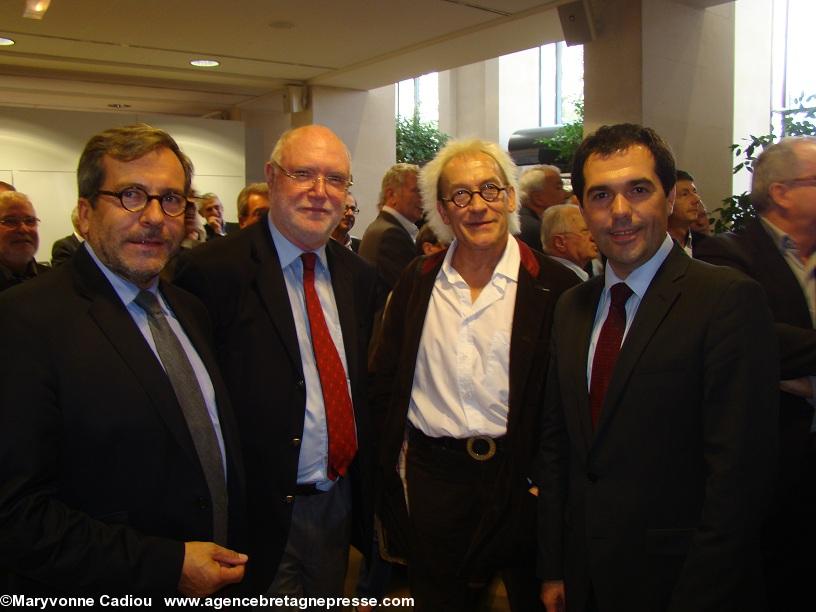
(456, 322)
(539, 188)
(566, 238)
(18, 240)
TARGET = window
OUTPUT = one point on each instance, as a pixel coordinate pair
(419, 95)
(794, 47)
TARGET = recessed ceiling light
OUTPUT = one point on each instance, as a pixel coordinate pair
(6, 42)
(35, 9)
(205, 63)
(118, 106)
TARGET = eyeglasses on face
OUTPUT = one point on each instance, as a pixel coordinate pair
(804, 180)
(135, 199)
(353, 209)
(15, 222)
(306, 178)
(462, 197)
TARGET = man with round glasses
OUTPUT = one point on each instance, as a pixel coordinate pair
(119, 466)
(459, 373)
(18, 240)
(292, 311)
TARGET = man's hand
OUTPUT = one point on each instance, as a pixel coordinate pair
(552, 595)
(209, 567)
(798, 386)
(215, 223)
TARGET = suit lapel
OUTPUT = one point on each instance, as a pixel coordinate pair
(533, 301)
(112, 318)
(343, 287)
(586, 306)
(655, 305)
(272, 291)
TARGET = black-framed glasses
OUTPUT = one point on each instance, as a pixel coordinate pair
(15, 222)
(353, 209)
(135, 199)
(337, 183)
(462, 197)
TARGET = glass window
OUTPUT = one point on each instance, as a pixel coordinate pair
(794, 47)
(419, 95)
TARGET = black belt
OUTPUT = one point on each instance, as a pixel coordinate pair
(308, 489)
(479, 448)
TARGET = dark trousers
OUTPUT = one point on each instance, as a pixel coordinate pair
(448, 491)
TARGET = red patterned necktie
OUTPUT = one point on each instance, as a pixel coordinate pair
(336, 400)
(607, 349)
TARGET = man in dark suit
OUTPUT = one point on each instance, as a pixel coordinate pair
(119, 465)
(778, 250)
(388, 243)
(658, 439)
(19, 240)
(539, 188)
(342, 233)
(211, 210)
(686, 210)
(305, 500)
(64, 248)
(460, 370)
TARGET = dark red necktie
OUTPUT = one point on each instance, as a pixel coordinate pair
(607, 349)
(336, 400)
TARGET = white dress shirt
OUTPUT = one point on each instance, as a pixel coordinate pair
(462, 376)
(579, 272)
(314, 448)
(404, 221)
(638, 280)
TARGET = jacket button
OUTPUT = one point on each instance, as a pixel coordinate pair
(301, 384)
(289, 499)
(592, 477)
(295, 442)
(203, 503)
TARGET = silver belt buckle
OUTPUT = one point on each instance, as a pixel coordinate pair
(474, 454)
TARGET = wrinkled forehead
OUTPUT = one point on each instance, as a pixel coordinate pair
(470, 168)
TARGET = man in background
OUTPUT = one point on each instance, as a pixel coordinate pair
(19, 240)
(342, 233)
(539, 188)
(253, 204)
(686, 211)
(212, 211)
(566, 238)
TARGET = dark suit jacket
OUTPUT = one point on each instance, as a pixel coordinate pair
(530, 228)
(388, 247)
(229, 229)
(33, 270)
(753, 252)
(100, 483)
(241, 282)
(63, 249)
(506, 535)
(659, 507)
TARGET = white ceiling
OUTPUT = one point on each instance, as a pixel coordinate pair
(88, 54)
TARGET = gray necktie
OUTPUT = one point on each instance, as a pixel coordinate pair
(188, 392)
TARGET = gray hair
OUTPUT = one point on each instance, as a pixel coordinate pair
(261, 189)
(533, 179)
(777, 163)
(394, 178)
(205, 199)
(430, 174)
(554, 221)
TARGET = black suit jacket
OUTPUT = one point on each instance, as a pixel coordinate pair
(241, 282)
(63, 249)
(100, 484)
(530, 228)
(659, 507)
(506, 533)
(387, 246)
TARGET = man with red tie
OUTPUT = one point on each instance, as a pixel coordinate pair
(658, 438)
(292, 312)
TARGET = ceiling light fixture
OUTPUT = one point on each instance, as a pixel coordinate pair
(6, 42)
(35, 9)
(118, 106)
(205, 63)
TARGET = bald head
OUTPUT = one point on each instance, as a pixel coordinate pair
(19, 238)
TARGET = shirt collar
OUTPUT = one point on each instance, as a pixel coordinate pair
(288, 252)
(126, 290)
(506, 269)
(641, 277)
(404, 221)
(582, 274)
(782, 240)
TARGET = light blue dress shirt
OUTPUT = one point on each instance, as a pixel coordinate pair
(314, 447)
(127, 292)
(638, 280)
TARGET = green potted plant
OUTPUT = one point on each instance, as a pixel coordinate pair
(418, 141)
